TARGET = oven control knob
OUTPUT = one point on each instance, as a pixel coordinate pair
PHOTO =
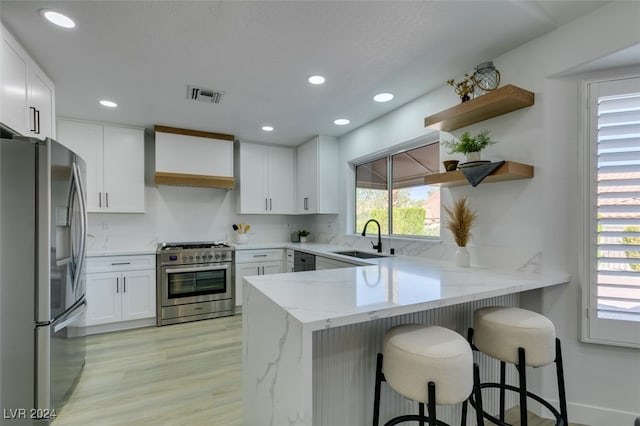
(217, 256)
(191, 258)
(210, 256)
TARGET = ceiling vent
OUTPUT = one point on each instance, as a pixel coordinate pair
(200, 94)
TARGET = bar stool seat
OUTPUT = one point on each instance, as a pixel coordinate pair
(429, 364)
(499, 332)
(523, 338)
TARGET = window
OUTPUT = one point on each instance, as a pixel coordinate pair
(613, 212)
(391, 190)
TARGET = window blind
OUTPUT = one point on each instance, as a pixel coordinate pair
(618, 207)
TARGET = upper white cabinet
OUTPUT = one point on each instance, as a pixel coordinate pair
(317, 190)
(114, 157)
(266, 179)
(193, 158)
(27, 103)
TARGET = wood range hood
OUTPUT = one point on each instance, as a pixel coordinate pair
(193, 158)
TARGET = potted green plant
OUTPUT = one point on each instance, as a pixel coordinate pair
(469, 145)
(303, 234)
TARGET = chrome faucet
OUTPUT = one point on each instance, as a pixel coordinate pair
(364, 232)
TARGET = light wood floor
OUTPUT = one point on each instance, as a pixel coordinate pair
(185, 374)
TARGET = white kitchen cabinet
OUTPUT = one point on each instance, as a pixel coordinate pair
(289, 261)
(120, 288)
(266, 179)
(104, 300)
(114, 157)
(317, 176)
(28, 95)
(256, 262)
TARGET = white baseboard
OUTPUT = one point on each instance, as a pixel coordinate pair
(590, 415)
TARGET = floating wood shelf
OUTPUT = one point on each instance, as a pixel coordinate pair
(510, 170)
(497, 102)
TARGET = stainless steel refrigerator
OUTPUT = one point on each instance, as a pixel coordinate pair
(42, 284)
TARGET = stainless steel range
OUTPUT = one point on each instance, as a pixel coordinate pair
(195, 281)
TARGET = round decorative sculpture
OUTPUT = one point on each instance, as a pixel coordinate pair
(486, 77)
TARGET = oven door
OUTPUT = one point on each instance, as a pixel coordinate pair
(196, 283)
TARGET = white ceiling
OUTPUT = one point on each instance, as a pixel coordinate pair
(143, 54)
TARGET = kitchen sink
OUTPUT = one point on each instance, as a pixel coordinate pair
(359, 254)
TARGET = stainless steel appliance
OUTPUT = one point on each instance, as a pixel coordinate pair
(42, 284)
(195, 281)
(303, 261)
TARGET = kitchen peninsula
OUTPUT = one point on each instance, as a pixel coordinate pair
(310, 338)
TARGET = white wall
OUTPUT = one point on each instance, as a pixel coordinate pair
(174, 214)
(533, 222)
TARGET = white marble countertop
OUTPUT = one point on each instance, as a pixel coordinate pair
(389, 286)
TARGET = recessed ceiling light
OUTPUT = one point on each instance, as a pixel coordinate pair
(341, 122)
(267, 128)
(383, 97)
(109, 104)
(57, 18)
(316, 79)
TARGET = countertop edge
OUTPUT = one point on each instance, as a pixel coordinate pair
(121, 253)
(387, 312)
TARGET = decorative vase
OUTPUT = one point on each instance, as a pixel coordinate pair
(473, 156)
(242, 238)
(450, 165)
(303, 239)
(464, 98)
(462, 257)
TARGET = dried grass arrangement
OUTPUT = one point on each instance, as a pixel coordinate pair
(461, 218)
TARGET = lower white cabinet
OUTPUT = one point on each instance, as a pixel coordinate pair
(120, 288)
(290, 264)
(256, 262)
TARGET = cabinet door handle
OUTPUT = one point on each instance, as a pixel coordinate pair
(124, 284)
(270, 205)
(106, 197)
(34, 119)
(37, 122)
(99, 199)
(120, 263)
(306, 203)
(263, 270)
(259, 255)
(258, 268)
(266, 204)
(117, 285)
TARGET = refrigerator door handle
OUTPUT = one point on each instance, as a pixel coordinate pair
(64, 324)
(73, 190)
(77, 180)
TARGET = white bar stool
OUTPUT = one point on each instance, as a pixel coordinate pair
(428, 364)
(523, 338)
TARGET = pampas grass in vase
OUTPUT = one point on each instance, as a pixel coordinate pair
(461, 219)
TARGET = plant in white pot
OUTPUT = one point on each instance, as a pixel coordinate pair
(469, 145)
(461, 219)
(303, 234)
